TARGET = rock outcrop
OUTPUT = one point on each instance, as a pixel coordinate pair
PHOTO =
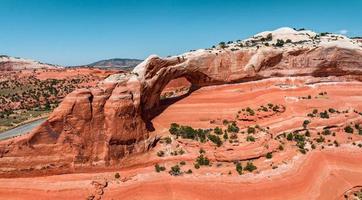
(8, 63)
(101, 125)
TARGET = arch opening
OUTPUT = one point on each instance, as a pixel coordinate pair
(174, 89)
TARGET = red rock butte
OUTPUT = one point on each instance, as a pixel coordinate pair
(104, 125)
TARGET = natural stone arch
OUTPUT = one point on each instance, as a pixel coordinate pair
(101, 125)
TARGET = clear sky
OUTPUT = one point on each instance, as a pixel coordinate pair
(73, 32)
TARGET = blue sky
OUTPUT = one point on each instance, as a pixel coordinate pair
(73, 32)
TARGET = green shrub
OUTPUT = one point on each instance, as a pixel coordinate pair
(290, 136)
(215, 139)
(331, 110)
(202, 160)
(218, 131)
(251, 130)
(167, 140)
(201, 151)
(233, 128)
(181, 151)
(320, 139)
(225, 136)
(160, 153)
(250, 138)
(326, 132)
(279, 43)
(222, 45)
(305, 123)
(159, 168)
(239, 168)
(250, 167)
(117, 175)
(188, 132)
(324, 115)
(182, 163)
(281, 148)
(269, 155)
(250, 111)
(348, 129)
(175, 171)
(174, 128)
(189, 171)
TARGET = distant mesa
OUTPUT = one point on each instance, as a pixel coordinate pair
(116, 63)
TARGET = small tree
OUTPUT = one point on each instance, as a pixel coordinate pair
(250, 138)
(175, 171)
(269, 155)
(159, 168)
(202, 160)
(250, 167)
(217, 130)
(239, 168)
(117, 175)
(279, 43)
(348, 129)
(251, 130)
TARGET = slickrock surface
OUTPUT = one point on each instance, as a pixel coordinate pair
(296, 107)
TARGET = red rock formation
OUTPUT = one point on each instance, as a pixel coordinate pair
(101, 125)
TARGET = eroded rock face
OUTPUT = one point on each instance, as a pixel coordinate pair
(99, 126)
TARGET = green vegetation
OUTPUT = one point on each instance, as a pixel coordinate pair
(305, 123)
(117, 175)
(251, 130)
(159, 168)
(187, 132)
(279, 43)
(233, 128)
(348, 129)
(167, 140)
(250, 167)
(218, 131)
(250, 138)
(175, 170)
(160, 153)
(239, 168)
(202, 160)
(215, 139)
(269, 155)
(250, 111)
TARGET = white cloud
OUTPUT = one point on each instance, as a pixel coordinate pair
(343, 31)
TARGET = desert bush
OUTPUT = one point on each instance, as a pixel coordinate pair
(269, 155)
(215, 139)
(159, 168)
(233, 128)
(348, 129)
(251, 130)
(250, 167)
(250, 138)
(160, 153)
(175, 171)
(202, 160)
(239, 168)
(218, 131)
